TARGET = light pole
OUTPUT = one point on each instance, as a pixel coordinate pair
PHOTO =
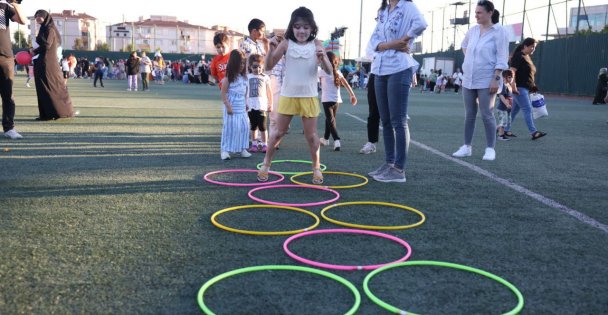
(456, 4)
(442, 28)
(432, 28)
(360, 27)
(523, 22)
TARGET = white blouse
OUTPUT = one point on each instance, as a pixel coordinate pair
(484, 54)
(300, 70)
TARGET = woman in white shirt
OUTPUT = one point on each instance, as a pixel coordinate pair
(486, 51)
(399, 23)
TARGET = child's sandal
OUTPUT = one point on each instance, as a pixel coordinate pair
(317, 176)
(263, 173)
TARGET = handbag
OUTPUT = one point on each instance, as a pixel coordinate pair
(539, 108)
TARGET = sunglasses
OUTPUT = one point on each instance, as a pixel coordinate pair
(255, 66)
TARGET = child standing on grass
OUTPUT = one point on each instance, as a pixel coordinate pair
(303, 53)
(260, 102)
(219, 62)
(331, 99)
(235, 130)
(505, 102)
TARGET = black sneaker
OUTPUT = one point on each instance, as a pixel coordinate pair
(503, 138)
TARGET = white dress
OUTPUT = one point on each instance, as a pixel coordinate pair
(235, 130)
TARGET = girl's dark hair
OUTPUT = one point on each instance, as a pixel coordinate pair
(529, 41)
(255, 58)
(306, 15)
(219, 38)
(335, 62)
(489, 7)
(385, 3)
(234, 67)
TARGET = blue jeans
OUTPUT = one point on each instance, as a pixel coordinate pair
(522, 102)
(392, 93)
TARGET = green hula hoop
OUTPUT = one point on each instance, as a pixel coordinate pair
(393, 309)
(212, 281)
(373, 227)
(259, 166)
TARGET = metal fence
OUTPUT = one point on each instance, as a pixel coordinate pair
(568, 66)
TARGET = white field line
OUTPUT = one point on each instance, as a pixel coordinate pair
(547, 201)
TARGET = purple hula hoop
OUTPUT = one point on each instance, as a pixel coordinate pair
(345, 267)
(312, 204)
(206, 177)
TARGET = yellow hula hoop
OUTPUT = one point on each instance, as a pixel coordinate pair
(249, 232)
(374, 227)
(365, 180)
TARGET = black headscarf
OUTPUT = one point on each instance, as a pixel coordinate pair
(45, 27)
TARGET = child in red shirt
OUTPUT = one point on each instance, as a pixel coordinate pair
(218, 64)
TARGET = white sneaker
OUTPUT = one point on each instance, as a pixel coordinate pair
(245, 154)
(336, 145)
(13, 134)
(324, 141)
(129, 90)
(368, 148)
(225, 155)
(490, 155)
(27, 85)
(465, 150)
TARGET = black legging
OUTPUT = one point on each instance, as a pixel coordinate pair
(6, 90)
(331, 109)
(373, 120)
(144, 80)
(98, 75)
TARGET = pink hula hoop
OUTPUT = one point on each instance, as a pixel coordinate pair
(312, 204)
(208, 175)
(345, 267)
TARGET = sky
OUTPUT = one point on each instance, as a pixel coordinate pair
(329, 14)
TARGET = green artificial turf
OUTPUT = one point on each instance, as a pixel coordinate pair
(108, 213)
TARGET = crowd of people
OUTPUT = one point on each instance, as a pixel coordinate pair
(155, 69)
(270, 79)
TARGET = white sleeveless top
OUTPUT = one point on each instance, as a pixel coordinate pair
(300, 70)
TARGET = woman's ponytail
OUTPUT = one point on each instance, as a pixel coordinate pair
(495, 17)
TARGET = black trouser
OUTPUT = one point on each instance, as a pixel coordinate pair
(98, 75)
(331, 109)
(144, 80)
(373, 120)
(456, 88)
(7, 66)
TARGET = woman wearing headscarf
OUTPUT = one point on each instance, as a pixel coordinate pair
(53, 98)
(601, 88)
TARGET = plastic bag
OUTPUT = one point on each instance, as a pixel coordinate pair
(539, 108)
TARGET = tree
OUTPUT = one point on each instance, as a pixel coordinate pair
(78, 44)
(20, 40)
(102, 47)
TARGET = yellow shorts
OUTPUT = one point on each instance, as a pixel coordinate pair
(302, 106)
